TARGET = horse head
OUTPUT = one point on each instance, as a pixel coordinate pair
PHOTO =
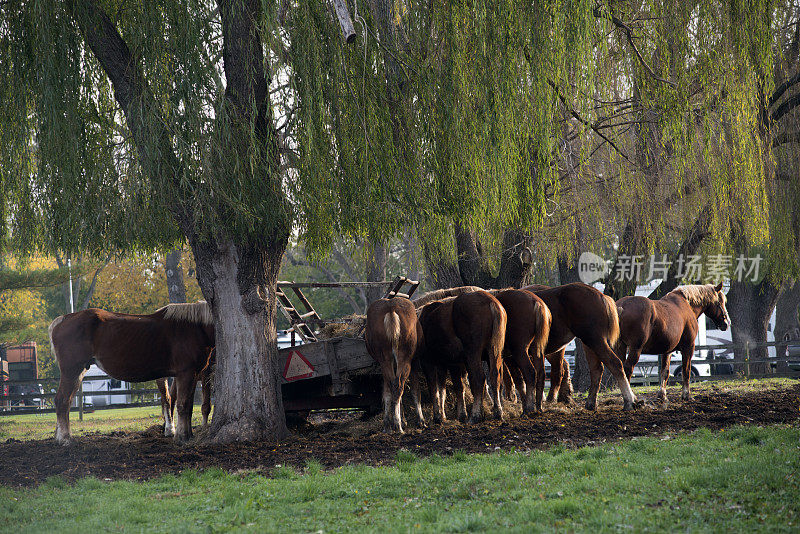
(717, 311)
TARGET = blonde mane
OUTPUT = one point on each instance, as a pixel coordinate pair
(194, 312)
(442, 294)
(697, 295)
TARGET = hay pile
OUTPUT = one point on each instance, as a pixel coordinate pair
(347, 326)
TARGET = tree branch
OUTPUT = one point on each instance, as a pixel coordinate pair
(788, 105)
(582, 120)
(629, 34)
(144, 119)
(778, 92)
(90, 291)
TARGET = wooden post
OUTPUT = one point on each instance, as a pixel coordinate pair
(343, 14)
(747, 358)
(80, 402)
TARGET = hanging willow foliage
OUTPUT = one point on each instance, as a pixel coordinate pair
(441, 114)
(478, 106)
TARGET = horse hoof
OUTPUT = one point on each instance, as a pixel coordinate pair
(591, 406)
(565, 400)
(629, 406)
(475, 419)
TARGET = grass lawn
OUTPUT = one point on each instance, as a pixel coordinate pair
(42, 426)
(741, 479)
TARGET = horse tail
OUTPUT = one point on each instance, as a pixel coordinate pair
(612, 335)
(391, 323)
(497, 340)
(50, 329)
(544, 320)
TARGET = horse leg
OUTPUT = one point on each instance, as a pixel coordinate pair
(457, 377)
(398, 388)
(495, 372)
(441, 386)
(663, 375)
(173, 394)
(538, 365)
(686, 371)
(508, 385)
(595, 374)
(431, 377)
(614, 365)
(415, 393)
(166, 406)
(184, 401)
(206, 386)
(519, 381)
(556, 368)
(565, 388)
(634, 352)
(477, 384)
(391, 418)
(522, 361)
(67, 386)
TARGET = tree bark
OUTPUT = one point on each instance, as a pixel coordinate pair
(698, 232)
(787, 324)
(239, 283)
(175, 285)
(750, 306)
(376, 270)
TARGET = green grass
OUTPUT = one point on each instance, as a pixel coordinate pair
(42, 426)
(741, 479)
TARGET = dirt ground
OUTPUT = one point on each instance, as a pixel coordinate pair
(336, 439)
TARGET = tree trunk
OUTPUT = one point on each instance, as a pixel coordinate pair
(787, 325)
(376, 270)
(750, 306)
(239, 283)
(175, 286)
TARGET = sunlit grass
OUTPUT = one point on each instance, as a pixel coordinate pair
(740, 479)
(42, 426)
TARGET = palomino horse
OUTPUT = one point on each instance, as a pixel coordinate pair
(462, 331)
(668, 324)
(582, 311)
(527, 332)
(392, 335)
(173, 341)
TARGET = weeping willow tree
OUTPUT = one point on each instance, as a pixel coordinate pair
(128, 125)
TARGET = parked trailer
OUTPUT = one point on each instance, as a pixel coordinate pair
(329, 373)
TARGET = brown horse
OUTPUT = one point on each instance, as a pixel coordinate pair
(527, 332)
(392, 335)
(168, 397)
(666, 325)
(461, 332)
(173, 341)
(581, 311)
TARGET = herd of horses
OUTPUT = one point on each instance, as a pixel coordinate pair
(511, 331)
(452, 332)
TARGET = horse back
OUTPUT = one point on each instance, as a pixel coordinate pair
(655, 326)
(376, 333)
(578, 310)
(479, 321)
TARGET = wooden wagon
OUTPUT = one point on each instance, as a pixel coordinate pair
(329, 373)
